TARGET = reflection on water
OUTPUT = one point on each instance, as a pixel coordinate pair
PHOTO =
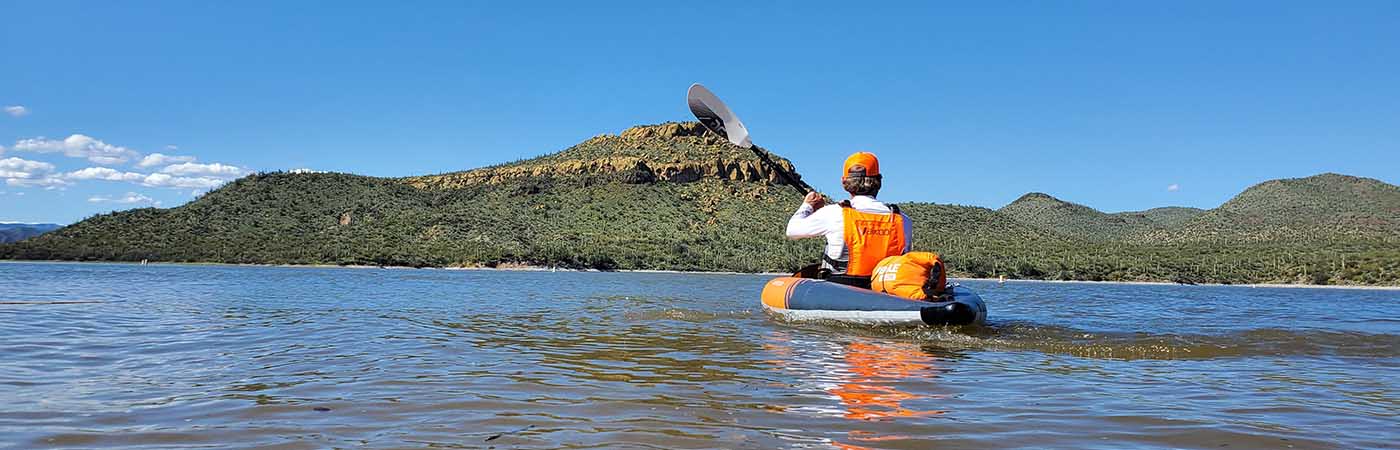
(865, 379)
(184, 357)
(870, 392)
(863, 376)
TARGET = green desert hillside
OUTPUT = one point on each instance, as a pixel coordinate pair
(1044, 212)
(1164, 217)
(653, 197)
(671, 196)
(1324, 207)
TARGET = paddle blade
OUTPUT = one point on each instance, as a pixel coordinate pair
(717, 117)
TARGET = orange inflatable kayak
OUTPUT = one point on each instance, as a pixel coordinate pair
(803, 299)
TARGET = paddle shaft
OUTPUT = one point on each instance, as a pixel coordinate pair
(796, 183)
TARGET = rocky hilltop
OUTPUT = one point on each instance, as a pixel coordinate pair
(670, 152)
(671, 196)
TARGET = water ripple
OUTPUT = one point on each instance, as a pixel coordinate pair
(185, 357)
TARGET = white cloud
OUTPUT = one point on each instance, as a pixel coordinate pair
(166, 180)
(179, 172)
(160, 159)
(23, 168)
(129, 198)
(16, 111)
(151, 180)
(79, 146)
(104, 173)
(209, 170)
(25, 173)
(47, 182)
(1173, 187)
(2, 149)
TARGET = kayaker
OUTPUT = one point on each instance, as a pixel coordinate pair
(859, 231)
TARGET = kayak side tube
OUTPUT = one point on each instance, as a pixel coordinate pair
(809, 299)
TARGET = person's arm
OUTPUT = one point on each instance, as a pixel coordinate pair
(806, 222)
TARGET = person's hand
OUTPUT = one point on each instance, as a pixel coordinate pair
(815, 200)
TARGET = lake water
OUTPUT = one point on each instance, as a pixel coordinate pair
(107, 355)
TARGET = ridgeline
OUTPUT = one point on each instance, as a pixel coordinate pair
(11, 232)
(673, 197)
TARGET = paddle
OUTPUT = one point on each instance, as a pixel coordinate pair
(719, 119)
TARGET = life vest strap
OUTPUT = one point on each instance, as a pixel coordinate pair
(860, 282)
(893, 207)
(837, 266)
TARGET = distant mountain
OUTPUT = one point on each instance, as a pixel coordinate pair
(671, 196)
(1318, 208)
(11, 232)
(1074, 220)
(1164, 217)
(1045, 212)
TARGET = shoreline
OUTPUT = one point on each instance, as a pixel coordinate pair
(504, 268)
(527, 268)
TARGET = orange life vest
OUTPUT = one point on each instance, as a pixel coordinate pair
(870, 237)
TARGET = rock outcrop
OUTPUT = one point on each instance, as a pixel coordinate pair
(671, 152)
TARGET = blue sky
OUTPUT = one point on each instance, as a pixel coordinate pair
(1101, 103)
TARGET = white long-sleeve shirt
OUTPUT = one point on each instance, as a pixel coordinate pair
(828, 221)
